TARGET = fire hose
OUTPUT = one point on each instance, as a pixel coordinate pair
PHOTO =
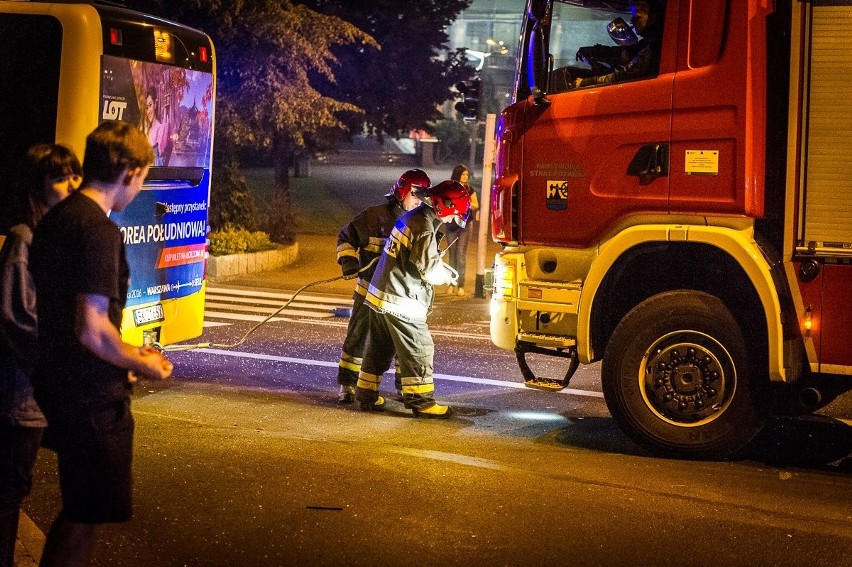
(179, 347)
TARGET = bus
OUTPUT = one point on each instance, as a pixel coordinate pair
(66, 67)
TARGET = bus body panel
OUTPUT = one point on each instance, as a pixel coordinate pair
(95, 47)
(79, 81)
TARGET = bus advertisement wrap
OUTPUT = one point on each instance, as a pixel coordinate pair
(165, 227)
(173, 106)
(165, 231)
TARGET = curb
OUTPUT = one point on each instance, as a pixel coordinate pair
(221, 268)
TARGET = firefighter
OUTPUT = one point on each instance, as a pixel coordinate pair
(359, 243)
(401, 294)
(632, 58)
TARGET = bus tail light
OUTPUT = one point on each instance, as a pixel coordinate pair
(116, 37)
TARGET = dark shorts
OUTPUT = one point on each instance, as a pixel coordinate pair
(95, 451)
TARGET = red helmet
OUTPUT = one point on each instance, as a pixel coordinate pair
(408, 181)
(450, 198)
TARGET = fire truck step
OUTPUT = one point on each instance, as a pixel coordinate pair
(546, 384)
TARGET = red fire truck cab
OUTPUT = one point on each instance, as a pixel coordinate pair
(673, 196)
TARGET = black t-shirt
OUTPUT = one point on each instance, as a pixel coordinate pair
(76, 250)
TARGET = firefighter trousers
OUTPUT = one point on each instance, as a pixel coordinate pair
(415, 353)
(355, 343)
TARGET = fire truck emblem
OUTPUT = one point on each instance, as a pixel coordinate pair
(557, 195)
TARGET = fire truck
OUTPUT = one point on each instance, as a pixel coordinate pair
(676, 202)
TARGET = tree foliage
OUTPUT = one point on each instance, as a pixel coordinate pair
(269, 55)
(401, 85)
(231, 201)
(294, 76)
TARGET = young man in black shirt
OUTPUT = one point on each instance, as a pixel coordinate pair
(84, 373)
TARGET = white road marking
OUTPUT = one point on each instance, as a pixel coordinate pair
(251, 300)
(448, 377)
(241, 304)
(448, 457)
(233, 309)
(210, 306)
(309, 319)
(283, 297)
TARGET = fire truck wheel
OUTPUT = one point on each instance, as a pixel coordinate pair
(675, 377)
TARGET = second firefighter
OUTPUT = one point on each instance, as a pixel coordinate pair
(401, 294)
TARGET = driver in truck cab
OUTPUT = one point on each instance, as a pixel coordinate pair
(630, 59)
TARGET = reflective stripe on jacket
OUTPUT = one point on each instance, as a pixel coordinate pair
(399, 285)
(364, 238)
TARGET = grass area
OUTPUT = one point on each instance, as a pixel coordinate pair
(318, 211)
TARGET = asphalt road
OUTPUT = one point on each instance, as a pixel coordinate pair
(245, 458)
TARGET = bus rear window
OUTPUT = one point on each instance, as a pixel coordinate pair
(173, 106)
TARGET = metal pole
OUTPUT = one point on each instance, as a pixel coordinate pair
(485, 203)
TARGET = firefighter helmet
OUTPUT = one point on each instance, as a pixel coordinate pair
(450, 198)
(621, 33)
(408, 181)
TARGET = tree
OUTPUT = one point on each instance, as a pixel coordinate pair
(401, 85)
(270, 53)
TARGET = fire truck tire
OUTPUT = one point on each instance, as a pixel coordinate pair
(675, 377)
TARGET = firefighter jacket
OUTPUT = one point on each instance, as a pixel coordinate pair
(363, 239)
(409, 266)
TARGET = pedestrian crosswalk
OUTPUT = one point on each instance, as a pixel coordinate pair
(226, 304)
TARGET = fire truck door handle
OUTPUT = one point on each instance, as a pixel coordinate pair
(651, 161)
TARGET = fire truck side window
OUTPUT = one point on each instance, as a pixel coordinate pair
(591, 46)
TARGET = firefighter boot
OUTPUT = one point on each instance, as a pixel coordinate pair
(398, 384)
(369, 400)
(435, 411)
(346, 394)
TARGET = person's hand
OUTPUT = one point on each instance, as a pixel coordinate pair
(584, 54)
(156, 366)
(349, 266)
(452, 276)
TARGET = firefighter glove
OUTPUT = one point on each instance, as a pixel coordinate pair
(452, 274)
(350, 267)
(597, 55)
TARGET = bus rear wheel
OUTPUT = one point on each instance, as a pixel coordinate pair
(675, 377)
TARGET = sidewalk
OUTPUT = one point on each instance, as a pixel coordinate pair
(317, 261)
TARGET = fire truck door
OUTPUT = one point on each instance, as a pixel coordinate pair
(716, 163)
